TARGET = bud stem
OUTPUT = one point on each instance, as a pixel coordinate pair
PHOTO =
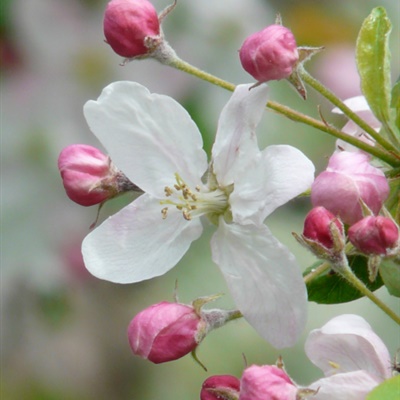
(345, 271)
(205, 76)
(316, 85)
(386, 156)
(322, 126)
(348, 274)
(317, 272)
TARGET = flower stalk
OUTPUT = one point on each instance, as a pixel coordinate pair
(316, 85)
(351, 278)
(386, 154)
(205, 76)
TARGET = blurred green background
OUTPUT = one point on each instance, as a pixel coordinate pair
(63, 332)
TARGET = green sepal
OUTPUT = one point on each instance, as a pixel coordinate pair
(390, 274)
(389, 389)
(331, 288)
(373, 62)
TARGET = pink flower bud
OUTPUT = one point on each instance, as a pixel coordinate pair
(166, 331)
(88, 175)
(222, 387)
(374, 235)
(269, 54)
(348, 179)
(126, 25)
(317, 226)
(266, 382)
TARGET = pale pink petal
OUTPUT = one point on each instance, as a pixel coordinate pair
(348, 178)
(360, 106)
(137, 244)
(236, 143)
(266, 382)
(149, 137)
(280, 174)
(348, 386)
(264, 280)
(356, 104)
(348, 343)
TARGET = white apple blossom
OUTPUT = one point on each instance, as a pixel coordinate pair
(153, 140)
(352, 356)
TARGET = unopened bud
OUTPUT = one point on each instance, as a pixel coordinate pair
(317, 226)
(89, 176)
(165, 332)
(83, 170)
(266, 382)
(220, 387)
(269, 54)
(127, 23)
(349, 180)
(374, 235)
(168, 331)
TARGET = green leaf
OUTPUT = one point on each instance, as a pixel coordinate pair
(395, 103)
(390, 274)
(330, 288)
(373, 62)
(393, 201)
(388, 390)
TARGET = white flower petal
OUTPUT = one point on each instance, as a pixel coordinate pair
(348, 386)
(282, 173)
(347, 343)
(137, 244)
(236, 142)
(148, 136)
(264, 280)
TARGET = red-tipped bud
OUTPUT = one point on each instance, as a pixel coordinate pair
(88, 175)
(348, 179)
(269, 54)
(126, 25)
(222, 387)
(374, 235)
(266, 382)
(317, 226)
(166, 331)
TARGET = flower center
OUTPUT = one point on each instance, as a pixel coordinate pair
(194, 203)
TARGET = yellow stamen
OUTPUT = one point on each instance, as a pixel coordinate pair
(333, 364)
(194, 204)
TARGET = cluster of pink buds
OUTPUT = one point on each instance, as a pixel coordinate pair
(352, 357)
(350, 191)
(89, 176)
(167, 331)
(258, 382)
